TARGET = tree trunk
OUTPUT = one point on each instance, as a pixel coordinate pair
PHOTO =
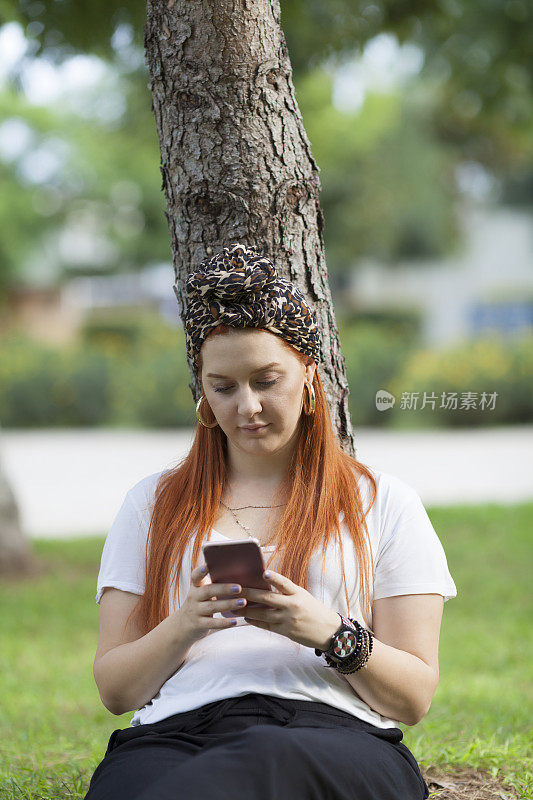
(15, 554)
(236, 162)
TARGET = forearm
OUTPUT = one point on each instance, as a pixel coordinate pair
(396, 684)
(130, 675)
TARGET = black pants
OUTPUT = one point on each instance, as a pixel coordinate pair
(258, 747)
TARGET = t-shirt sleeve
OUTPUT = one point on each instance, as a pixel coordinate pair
(122, 561)
(411, 558)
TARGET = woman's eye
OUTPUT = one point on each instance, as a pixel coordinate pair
(261, 383)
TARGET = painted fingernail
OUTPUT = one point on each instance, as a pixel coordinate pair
(203, 568)
(266, 574)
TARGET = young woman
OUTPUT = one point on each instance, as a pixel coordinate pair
(300, 699)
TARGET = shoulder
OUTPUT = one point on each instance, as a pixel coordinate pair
(396, 503)
(394, 491)
(132, 520)
(393, 498)
(141, 495)
(391, 491)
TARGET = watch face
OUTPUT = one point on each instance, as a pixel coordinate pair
(345, 644)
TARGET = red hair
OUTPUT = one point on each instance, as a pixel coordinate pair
(321, 480)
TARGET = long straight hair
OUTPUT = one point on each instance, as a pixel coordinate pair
(320, 481)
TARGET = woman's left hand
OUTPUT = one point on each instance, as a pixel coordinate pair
(293, 612)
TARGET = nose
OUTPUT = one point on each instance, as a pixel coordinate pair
(248, 404)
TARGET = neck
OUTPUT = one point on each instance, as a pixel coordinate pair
(266, 470)
(258, 487)
(252, 489)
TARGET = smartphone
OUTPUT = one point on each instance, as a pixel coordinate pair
(237, 561)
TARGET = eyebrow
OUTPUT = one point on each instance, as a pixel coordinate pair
(261, 369)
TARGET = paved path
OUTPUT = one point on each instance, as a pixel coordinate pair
(72, 482)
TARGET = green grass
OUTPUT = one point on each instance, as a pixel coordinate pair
(54, 728)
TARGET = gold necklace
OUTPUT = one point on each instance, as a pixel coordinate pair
(238, 508)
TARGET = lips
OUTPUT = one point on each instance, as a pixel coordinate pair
(253, 427)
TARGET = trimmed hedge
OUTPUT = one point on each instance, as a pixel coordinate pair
(41, 386)
(374, 354)
(469, 369)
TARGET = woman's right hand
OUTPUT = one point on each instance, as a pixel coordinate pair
(198, 608)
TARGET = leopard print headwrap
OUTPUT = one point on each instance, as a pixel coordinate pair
(241, 288)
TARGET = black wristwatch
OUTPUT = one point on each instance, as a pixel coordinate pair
(343, 642)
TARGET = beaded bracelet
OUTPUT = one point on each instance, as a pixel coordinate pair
(356, 662)
(359, 658)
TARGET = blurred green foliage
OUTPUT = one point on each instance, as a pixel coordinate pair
(107, 185)
(150, 388)
(386, 188)
(477, 53)
(374, 354)
(130, 370)
(123, 371)
(385, 182)
(42, 386)
(487, 364)
(387, 170)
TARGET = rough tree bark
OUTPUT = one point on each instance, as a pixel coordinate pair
(236, 162)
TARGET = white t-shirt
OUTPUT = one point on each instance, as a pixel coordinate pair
(408, 558)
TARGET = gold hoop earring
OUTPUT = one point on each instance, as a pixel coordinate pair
(199, 417)
(311, 399)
